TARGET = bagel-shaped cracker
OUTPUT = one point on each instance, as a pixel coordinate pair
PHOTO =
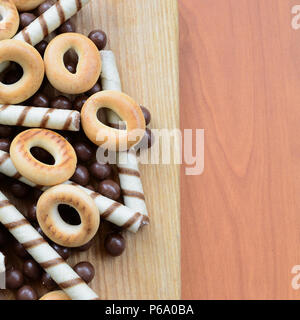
(88, 67)
(55, 295)
(55, 228)
(39, 172)
(27, 5)
(9, 23)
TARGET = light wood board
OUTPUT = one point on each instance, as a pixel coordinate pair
(144, 36)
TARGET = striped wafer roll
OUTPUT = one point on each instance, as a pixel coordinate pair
(50, 118)
(109, 210)
(50, 20)
(129, 174)
(115, 212)
(43, 253)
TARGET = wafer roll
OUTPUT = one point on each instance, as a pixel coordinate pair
(129, 174)
(115, 212)
(43, 253)
(2, 263)
(109, 210)
(50, 118)
(50, 20)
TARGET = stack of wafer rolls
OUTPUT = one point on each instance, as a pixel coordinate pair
(50, 118)
(43, 253)
(109, 210)
(129, 174)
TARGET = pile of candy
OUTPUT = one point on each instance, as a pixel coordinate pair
(58, 89)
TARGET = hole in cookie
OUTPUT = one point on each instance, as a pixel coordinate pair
(102, 117)
(71, 60)
(42, 155)
(12, 74)
(69, 214)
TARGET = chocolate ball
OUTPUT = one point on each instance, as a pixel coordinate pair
(36, 193)
(62, 251)
(26, 293)
(61, 102)
(44, 7)
(48, 282)
(90, 187)
(100, 171)
(114, 244)
(4, 144)
(147, 115)
(99, 38)
(4, 236)
(19, 189)
(71, 67)
(146, 142)
(19, 250)
(85, 247)
(85, 270)
(69, 214)
(14, 74)
(83, 151)
(42, 155)
(81, 175)
(14, 278)
(96, 88)
(26, 18)
(31, 213)
(79, 102)
(32, 270)
(40, 100)
(6, 131)
(41, 47)
(66, 27)
(109, 189)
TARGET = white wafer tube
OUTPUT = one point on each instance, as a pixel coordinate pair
(109, 210)
(50, 20)
(50, 118)
(43, 253)
(129, 174)
(2, 263)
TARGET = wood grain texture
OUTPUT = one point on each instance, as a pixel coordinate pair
(144, 36)
(240, 81)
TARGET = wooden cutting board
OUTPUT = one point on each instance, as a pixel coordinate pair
(144, 36)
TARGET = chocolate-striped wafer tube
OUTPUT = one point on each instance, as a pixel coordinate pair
(50, 20)
(115, 212)
(43, 253)
(109, 210)
(129, 174)
(50, 118)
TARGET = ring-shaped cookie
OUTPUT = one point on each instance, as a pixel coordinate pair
(9, 23)
(39, 172)
(88, 67)
(55, 228)
(126, 108)
(55, 295)
(27, 5)
(33, 71)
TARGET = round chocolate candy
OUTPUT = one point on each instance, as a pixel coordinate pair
(31, 213)
(14, 278)
(66, 27)
(71, 66)
(61, 102)
(26, 18)
(147, 115)
(83, 151)
(90, 187)
(41, 47)
(5, 144)
(19, 189)
(86, 246)
(100, 171)
(4, 236)
(26, 293)
(19, 250)
(48, 282)
(42, 155)
(14, 74)
(99, 38)
(32, 270)
(81, 175)
(114, 244)
(85, 270)
(96, 88)
(62, 251)
(79, 102)
(109, 189)
(146, 142)
(40, 100)
(44, 7)
(6, 131)
(36, 193)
